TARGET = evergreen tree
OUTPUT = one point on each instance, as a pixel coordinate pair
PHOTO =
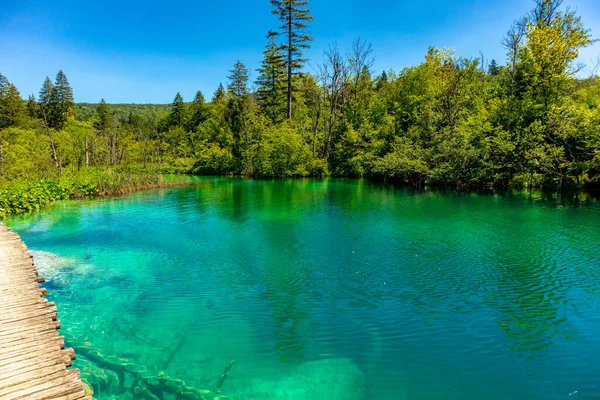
(381, 80)
(271, 82)
(294, 18)
(238, 80)
(32, 107)
(48, 102)
(236, 110)
(64, 96)
(219, 94)
(198, 111)
(493, 68)
(56, 101)
(178, 111)
(105, 117)
(12, 106)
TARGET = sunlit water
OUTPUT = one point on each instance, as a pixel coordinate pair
(328, 289)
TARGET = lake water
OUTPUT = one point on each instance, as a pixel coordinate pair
(326, 289)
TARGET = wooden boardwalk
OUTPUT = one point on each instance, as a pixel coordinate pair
(33, 360)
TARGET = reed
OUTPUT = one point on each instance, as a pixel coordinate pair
(17, 197)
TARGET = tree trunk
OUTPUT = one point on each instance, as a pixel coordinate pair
(316, 130)
(87, 152)
(1, 160)
(289, 69)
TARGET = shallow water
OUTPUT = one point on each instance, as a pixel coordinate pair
(328, 289)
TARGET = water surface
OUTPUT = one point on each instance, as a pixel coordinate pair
(328, 289)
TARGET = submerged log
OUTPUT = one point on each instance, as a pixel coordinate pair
(223, 377)
(148, 384)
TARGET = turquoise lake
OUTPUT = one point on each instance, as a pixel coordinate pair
(327, 289)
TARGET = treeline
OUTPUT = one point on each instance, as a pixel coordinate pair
(121, 112)
(447, 121)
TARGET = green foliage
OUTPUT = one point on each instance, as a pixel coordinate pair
(12, 107)
(121, 112)
(281, 152)
(238, 80)
(25, 196)
(213, 159)
(271, 82)
(446, 121)
(56, 103)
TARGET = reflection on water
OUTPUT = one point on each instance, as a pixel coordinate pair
(326, 289)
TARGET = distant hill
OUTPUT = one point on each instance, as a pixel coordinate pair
(86, 111)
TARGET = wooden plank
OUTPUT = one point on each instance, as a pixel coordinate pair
(27, 337)
(41, 324)
(47, 383)
(33, 360)
(31, 345)
(63, 359)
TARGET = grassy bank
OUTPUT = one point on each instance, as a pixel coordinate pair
(18, 197)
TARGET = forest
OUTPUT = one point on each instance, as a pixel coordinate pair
(530, 121)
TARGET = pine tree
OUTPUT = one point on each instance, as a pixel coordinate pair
(238, 80)
(271, 82)
(198, 111)
(493, 68)
(64, 95)
(48, 104)
(32, 107)
(178, 111)
(381, 80)
(294, 19)
(105, 117)
(236, 110)
(219, 94)
(56, 101)
(12, 106)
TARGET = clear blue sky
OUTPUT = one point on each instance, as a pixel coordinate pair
(145, 52)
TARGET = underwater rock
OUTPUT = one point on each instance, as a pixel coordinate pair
(51, 266)
(329, 379)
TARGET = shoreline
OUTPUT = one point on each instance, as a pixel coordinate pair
(101, 192)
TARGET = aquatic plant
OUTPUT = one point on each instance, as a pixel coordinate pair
(17, 197)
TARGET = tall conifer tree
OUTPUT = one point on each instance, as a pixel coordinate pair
(12, 106)
(294, 18)
(271, 81)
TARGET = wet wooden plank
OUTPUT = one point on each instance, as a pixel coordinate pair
(33, 360)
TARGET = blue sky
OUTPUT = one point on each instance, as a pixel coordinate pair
(145, 52)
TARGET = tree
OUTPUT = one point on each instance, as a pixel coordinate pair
(56, 101)
(178, 111)
(48, 100)
(198, 112)
(271, 82)
(64, 96)
(237, 109)
(493, 68)
(106, 125)
(333, 74)
(32, 107)
(219, 94)
(381, 80)
(294, 18)
(12, 107)
(553, 40)
(238, 80)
